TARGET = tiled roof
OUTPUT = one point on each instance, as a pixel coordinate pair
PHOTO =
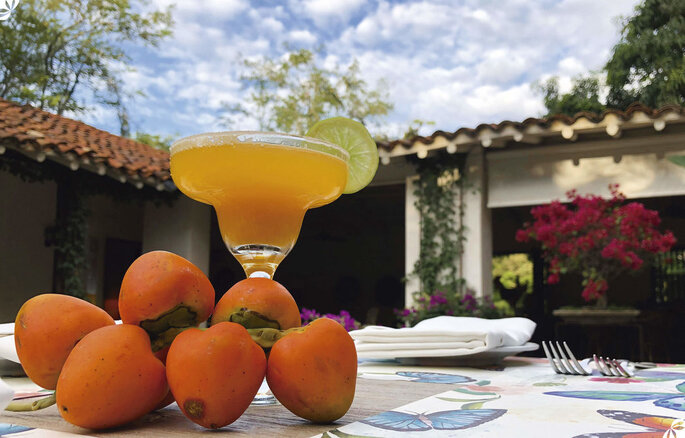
(535, 130)
(42, 135)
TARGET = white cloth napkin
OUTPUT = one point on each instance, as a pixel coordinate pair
(7, 349)
(442, 336)
(6, 328)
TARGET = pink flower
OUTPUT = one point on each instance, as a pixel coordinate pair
(600, 238)
(594, 289)
(522, 236)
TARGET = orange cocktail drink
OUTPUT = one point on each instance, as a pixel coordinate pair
(261, 185)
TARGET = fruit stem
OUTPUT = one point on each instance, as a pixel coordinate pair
(251, 320)
(163, 329)
(267, 337)
(22, 406)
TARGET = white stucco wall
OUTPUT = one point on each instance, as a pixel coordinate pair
(412, 240)
(476, 263)
(183, 228)
(531, 177)
(26, 209)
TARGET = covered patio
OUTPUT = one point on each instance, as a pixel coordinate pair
(512, 166)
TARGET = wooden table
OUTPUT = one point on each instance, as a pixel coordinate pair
(372, 397)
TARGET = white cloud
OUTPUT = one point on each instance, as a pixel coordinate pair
(456, 63)
(480, 15)
(571, 66)
(217, 8)
(302, 36)
(493, 104)
(501, 66)
(323, 11)
(272, 24)
(410, 22)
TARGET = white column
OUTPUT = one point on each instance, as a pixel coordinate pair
(477, 258)
(183, 228)
(412, 239)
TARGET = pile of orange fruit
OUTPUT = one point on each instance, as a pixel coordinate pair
(106, 374)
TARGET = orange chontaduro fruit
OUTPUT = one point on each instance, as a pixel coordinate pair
(313, 371)
(46, 329)
(164, 294)
(110, 378)
(214, 374)
(258, 303)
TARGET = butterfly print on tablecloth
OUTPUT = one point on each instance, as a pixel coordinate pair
(662, 399)
(421, 377)
(442, 420)
(655, 425)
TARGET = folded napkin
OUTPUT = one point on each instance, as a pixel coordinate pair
(8, 350)
(442, 336)
(6, 328)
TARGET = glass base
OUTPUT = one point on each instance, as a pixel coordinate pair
(264, 396)
(259, 260)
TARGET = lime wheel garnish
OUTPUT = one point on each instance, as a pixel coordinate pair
(356, 140)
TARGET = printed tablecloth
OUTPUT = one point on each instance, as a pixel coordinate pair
(524, 398)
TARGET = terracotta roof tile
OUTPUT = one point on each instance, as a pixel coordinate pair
(29, 128)
(545, 122)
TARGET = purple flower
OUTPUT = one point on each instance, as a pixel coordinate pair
(437, 299)
(344, 318)
(469, 302)
(308, 315)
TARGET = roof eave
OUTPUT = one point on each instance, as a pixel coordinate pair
(534, 131)
(73, 161)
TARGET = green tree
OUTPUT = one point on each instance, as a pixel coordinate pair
(414, 127)
(292, 93)
(60, 54)
(648, 63)
(155, 140)
(513, 270)
(584, 96)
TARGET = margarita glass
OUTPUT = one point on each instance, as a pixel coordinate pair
(260, 184)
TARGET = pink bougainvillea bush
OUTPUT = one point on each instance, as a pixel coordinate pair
(596, 237)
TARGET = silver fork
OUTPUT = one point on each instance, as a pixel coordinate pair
(562, 364)
(569, 365)
(610, 367)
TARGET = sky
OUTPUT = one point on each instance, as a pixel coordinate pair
(456, 63)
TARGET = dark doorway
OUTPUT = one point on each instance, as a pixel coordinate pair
(349, 256)
(119, 254)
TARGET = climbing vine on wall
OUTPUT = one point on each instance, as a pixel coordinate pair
(68, 235)
(439, 199)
